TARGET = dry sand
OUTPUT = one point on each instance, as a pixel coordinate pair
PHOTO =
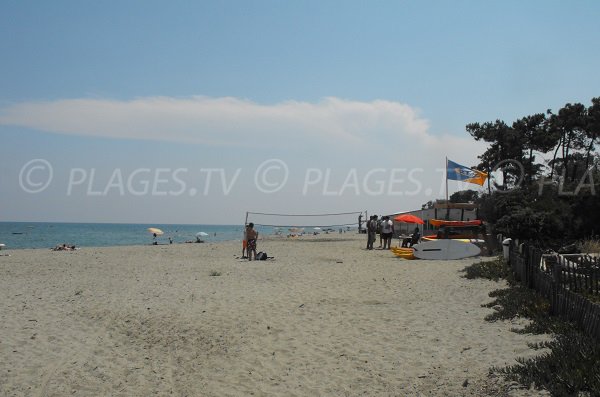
(324, 318)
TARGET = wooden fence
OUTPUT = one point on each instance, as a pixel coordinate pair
(570, 282)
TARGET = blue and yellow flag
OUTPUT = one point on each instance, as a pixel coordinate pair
(459, 172)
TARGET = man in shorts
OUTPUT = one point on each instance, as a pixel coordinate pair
(387, 231)
(251, 236)
(371, 230)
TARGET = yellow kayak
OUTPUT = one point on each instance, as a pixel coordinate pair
(406, 253)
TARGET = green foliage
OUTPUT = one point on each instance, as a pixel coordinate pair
(427, 205)
(547, 216)
(590, 246)
(214, 273)
(569, 365)
(521, 302)
(505, 143)
(464, 196)
(555, 208)
(526, 223)
(491, 270)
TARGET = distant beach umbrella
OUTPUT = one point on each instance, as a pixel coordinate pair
(201, 234)
(408, 218)
(156, 231)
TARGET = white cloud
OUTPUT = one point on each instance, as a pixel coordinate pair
(223, 121)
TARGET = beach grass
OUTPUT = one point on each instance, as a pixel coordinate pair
(590, 246)
(490, 270)
(567, 364)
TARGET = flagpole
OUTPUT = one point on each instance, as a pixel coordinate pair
(447, 201)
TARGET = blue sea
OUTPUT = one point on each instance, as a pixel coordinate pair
(47, 235)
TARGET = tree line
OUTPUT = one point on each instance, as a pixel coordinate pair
(547, 181)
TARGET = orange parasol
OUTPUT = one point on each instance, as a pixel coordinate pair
(408, 218)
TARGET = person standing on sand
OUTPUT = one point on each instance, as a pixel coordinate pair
(371, 231)
(252, 236)
(367, 227)
(378, 231)
(245, 243)
(387, 231)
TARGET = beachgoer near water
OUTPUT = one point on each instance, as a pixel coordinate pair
(251, 236)
(64, 247)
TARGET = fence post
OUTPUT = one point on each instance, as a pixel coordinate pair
(556, 283)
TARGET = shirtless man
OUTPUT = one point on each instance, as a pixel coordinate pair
(251, 236)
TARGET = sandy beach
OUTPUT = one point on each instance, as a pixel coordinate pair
(323, 318)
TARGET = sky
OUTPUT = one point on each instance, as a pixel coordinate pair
(198, 111)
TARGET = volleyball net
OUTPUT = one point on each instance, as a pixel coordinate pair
(340, 220)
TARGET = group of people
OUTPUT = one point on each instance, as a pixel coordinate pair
(249, 242)
(385, 228)
(64, 247)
